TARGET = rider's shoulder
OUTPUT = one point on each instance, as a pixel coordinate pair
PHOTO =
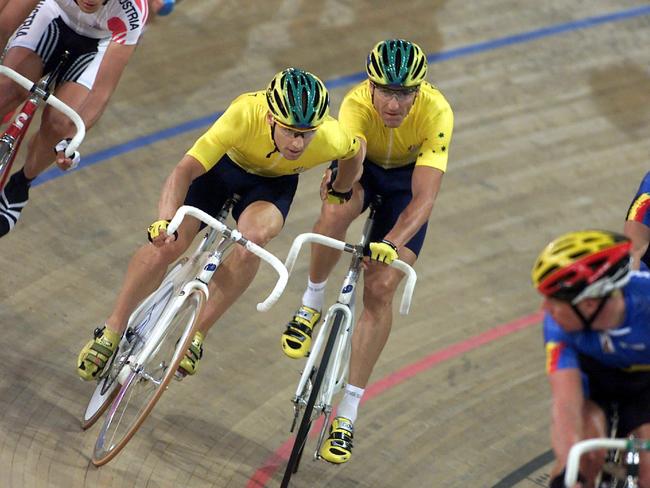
(431, 96)
(639, 282)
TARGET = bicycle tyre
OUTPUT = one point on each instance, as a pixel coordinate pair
(138, 394)
(306, 422)
(150, 308)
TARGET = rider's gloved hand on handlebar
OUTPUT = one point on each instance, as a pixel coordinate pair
(337, 197)
(64, 162)
(157, 233)
(327, 191)
(384, 251)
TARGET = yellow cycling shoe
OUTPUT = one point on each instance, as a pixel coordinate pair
(190, 363)
(94, 355)
(296, 340)
(337, 448)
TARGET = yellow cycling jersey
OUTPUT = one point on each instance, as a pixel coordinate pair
(244, 134)
(423, 136)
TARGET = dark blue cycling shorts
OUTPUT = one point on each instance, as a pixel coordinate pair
(210, 191)
(394, 186)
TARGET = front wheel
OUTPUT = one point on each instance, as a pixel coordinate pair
(143, 384)
(141, 323)
(307, 420)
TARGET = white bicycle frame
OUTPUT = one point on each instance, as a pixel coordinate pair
(337, 370)
(229, 236)
(54, 102)
(632, 446)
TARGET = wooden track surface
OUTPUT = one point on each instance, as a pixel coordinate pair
(550, 135)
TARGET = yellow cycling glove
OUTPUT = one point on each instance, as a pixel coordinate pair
(384, 251)
(157, 227)
(337, 197)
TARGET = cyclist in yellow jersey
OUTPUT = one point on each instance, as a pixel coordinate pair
(256, 149)
(404, 125)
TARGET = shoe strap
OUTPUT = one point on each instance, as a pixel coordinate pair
(99, 348)
(194, 352)
(306, 315)
(343, 425)
(298, 330)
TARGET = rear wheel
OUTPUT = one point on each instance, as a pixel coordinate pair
(143, 386)
(307, 419)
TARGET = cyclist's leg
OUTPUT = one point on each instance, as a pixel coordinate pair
(14, 195)
(31, 48)
(260, 222)
(27, 63)
(373, 328)
(40, 155)
(145, 272)
(369, 338)
(333, 221)
(54, 127)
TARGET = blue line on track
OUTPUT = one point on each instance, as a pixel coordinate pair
(439, 57)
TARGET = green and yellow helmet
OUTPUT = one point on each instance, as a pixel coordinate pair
(396, 63)
(298, 99)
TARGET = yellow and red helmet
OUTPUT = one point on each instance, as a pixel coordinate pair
(583, 264)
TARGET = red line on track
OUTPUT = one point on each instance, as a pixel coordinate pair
(280, 456)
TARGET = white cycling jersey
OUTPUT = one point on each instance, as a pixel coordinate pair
(121, 20)
(58, 25)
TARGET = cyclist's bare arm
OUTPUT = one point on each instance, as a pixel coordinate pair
(566, 412)
(425, 184)
(113, 64)
(350, 170)
(640, 235)
(115, 60)
(175, 189)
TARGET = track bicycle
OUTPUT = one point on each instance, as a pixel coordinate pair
(320, 381)
(39, 93)
(160, 331)
(622, 472)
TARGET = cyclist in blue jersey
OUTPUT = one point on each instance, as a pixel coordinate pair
(637, 225)
(597, 338)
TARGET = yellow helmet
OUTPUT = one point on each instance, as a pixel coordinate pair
(397, 63)
(298, 99)
(583, 264)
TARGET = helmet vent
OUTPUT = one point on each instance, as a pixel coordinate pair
(418, 68)
(279, 104)
(411, 56)
(548, 272)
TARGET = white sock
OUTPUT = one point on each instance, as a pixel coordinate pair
(314, 295)
(350, 403)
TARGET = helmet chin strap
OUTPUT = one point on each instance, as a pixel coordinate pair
(588, 321)
(273, 139)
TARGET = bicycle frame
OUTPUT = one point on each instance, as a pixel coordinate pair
(228, 238)
(135, 375)
(336, 374)
(39, 93)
